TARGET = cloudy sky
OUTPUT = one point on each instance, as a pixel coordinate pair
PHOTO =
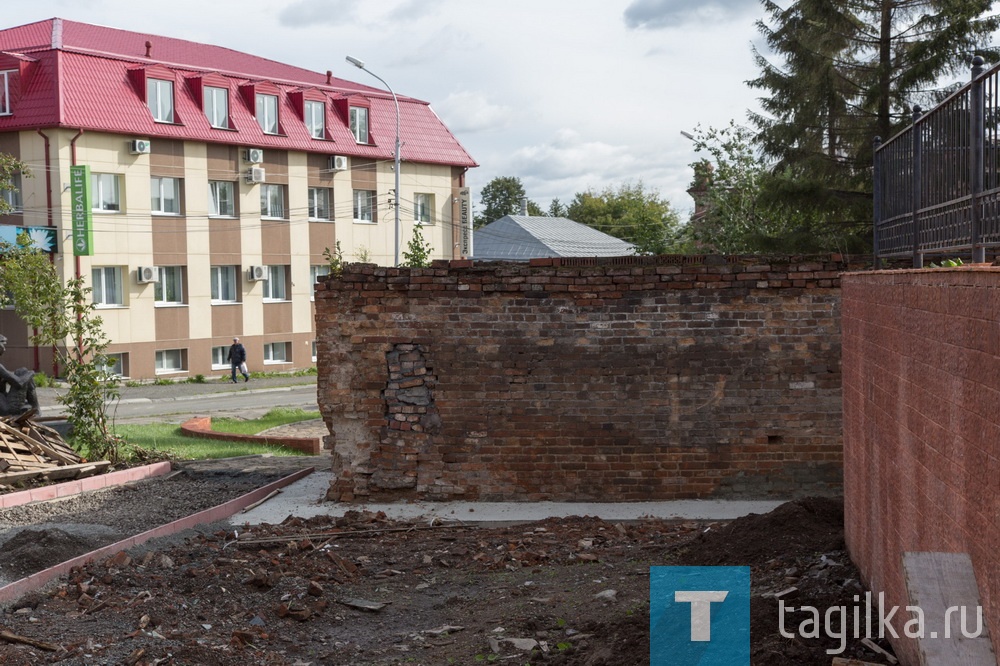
(566, 95)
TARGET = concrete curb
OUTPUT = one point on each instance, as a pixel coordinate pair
(38, 580)
(82, 485)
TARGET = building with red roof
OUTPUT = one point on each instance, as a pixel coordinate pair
(214, 182)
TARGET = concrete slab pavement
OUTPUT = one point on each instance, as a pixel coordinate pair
(304, 499)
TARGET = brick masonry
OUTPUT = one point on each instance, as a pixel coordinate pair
(636, 378)
(922, 426)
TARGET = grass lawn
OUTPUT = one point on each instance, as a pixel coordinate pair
(167, 437)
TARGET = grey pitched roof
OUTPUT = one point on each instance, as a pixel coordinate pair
(519, 238)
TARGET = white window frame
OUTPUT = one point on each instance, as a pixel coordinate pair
(267, 112)
(119, 361)
(159, 188)
(320, 210)
(169, 291)
(107, 192)
(313, 351)
(283, 350)
(221, 278)
(220, 357)
(13, 195)
(423, 208)
(215, 202)
(364, 206)
(316, 271)
(217, 106)
(170, 361)
(270, 207)
(6, 107)
(108, 287)
(276, 284)
(160, 99)
(315, 113)
(359, 123)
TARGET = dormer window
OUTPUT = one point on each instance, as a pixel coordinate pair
(359, 123)
(6, 108)
(160, 98)
(267, 113)
(315, 113)
(217, 107)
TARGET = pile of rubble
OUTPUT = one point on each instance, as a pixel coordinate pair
(32, 451)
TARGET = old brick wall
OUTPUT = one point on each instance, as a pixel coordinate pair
(922, 425)
(637, 379)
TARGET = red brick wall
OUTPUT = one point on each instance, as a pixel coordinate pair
(639, 379)
(922, 424)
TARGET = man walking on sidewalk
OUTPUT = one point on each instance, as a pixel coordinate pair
(238, 360)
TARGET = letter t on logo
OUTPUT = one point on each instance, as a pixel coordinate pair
(701, 611)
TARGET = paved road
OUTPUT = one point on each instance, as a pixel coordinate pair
(174, 403)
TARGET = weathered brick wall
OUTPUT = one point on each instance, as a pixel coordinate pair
(643, 379)
(922, 425)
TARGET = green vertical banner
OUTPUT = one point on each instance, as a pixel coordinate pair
(83, 221)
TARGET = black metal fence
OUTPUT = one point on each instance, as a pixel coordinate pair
(937, 183)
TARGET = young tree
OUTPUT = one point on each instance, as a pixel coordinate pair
(630, 212)
(502, 196)
(418, 252)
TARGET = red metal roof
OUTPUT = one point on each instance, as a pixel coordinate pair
(80, 80)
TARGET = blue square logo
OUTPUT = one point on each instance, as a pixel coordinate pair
(699, 616)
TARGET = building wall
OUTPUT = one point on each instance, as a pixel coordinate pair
(134, 237)
(643, 378)
(921, 426)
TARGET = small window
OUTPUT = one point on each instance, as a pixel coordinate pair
(316, 119)
(319, 203)
(313, 351)
(170, 289)
(364, 206)
(275, 286)
(221, 199)
(223, 284)
(359, 123)
(272, 201)
(267, 113)
(277, 352)
(12, 197)
(217, 107)
(106, 192)
(169, 360)
(423, 208)
(6, 108)
(107, 287)
(116, 365)
(220, 358)
(160, 98)
(165, 196)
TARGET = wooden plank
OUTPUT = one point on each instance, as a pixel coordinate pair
(66, 471)
(938, 583)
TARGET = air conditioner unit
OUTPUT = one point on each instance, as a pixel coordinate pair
(338, 163)
(147, 274)
(253, 155)
(138, 147)
(255, 175)
(257, 273)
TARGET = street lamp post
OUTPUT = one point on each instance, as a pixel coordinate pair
(361, 65)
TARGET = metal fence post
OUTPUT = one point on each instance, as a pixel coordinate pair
(976, 156)
(918, 258)
(876, 198)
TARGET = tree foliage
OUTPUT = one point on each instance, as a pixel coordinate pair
(502, 196)
(630, 212)
(846, 71)
(62, 316)
(418, 252)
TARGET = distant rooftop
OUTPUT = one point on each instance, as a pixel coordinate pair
(520, 238)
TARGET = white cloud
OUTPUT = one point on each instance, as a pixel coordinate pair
(471, 112)
(307, 13)
(658, 14)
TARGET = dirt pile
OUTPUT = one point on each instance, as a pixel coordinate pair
(363, 590)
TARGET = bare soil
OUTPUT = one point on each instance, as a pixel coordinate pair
(364, 590)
